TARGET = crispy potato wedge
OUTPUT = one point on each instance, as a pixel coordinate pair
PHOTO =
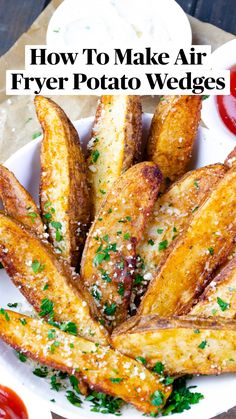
(102, 368)
(172, 134)
(193, 257)
(64, 196)
(18, 203)
(219, 297)
(109, 256)
(115, 143)
(186, 345)
(48, 283)
(170, 217)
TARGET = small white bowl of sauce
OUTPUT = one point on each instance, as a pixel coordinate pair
(16, 402)
(219, 112)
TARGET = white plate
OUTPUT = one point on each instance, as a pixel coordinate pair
(219, 392)
(79, 23)
(222, 58)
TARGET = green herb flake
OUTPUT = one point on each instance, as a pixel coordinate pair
(73, 398)
(126, 236)
(160, 230)
(121, 289)
(158, 368)
(51, 334)
(32, 215)
(22, 357)
(102, 191)
(222, 304)
(37, 266)
(151, 242)
(12, 305)
(94, 155)
(36, 135)
(163, 245)
(157, 398)
(196, 331)
(5, 314)
(204, 97)
(141, 359)
(203, 344)
(46, 286)
(211, 251)
(55, 385)
(195, 208)
(41, 372)
(46, 307)
(74, 383)
(116, 380)
(110, 309)
(196, 184)
(23, 322)
(70, 328)
(181, 397)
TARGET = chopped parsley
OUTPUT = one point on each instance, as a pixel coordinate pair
(32, 215)
(211, 250)
(94, 155)
(55, 385)
(196, 331)
(46, 307)
(158, 368)
(196, 184)
(58, 226)
(204, 97)
(95, 292)
(69, 327)
(126, 236)
(163, 245)
(12, 305)
(41, 372)
(22, 357)
(23, 322)
(116, 380)
(102, 191)
(46, 286)
(36, 135)
(141, 359)
(103, 403)
(74, 383)
(223, 305)
(51, 334)
(151, 242)
(105, 275)
(103, 253)
(181, 397)
(37, 266)
(73, 398)
(157, 398)
(203, 344)
(110, 309)
(195, 209)
(121, 289)
(5, 314)
(160, 230)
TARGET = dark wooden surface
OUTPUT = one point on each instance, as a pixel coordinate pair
(17, 15)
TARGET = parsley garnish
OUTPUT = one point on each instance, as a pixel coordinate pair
(158, 368)
(141, 359)
(41, 372)
(160, 230)
(69, 327)
(73, 398)
(181, 398)
(32, 215)
(55, 385)
(116, 380)
(22, 357)
(5, 314)
(36, 135)
(126, 236)
(157, 398)
(196, 184)
(12, 305)
(105, 404)
(163, 245)
(46, 307)
(37, 266)
(121, 289)
(105, 275)
(94, 155)
(211, 250)
(23, 322)
(151, 242)
(75, 383)
(110, 309)
(203, 344)
(223, 305)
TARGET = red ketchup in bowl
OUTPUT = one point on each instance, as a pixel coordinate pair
(227, 104)
(11, 406)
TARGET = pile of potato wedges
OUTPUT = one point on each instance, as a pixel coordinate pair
(130, 258)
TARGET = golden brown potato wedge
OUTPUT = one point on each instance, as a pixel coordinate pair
(170, 217)
(109, 256)
(47, 282)
(64, 196)
(18, 203)
(172, 134)
(186, 345)
(115, 143)
(195, 255)
(219, 297)
(102, 368)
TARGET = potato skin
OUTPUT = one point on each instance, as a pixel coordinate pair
(172, 134)
(109, 256)
(70, 302)
(185, 345)
(95, 363)
(219, 297)
(170, 217)
(115, 143)
(18, 203)
(64, 196)
(195, 255)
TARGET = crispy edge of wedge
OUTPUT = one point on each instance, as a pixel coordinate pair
(184, 345)
(108, 260)
(95, 364)
(64, 195)
(195, 255)
(34, 265)
(115, 143)
(18, 203)
(219, 297)
(173, 132)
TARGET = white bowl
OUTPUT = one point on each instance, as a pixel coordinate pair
(78, 23)
(219, 392)
(223, 57)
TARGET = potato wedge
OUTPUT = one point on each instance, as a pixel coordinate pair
(195, 255)
(109, 256)
(172, 134)
(186, 345)
(18, 203)
(219, 297)
(102, 368)
(47, 282)
(170, 217)
(64, 196)
(115, 143)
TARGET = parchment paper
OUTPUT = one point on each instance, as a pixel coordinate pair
(18, 122)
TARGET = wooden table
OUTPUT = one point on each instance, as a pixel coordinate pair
(17, 15)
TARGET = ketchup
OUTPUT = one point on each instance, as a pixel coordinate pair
(11, 406)
(227, 104)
